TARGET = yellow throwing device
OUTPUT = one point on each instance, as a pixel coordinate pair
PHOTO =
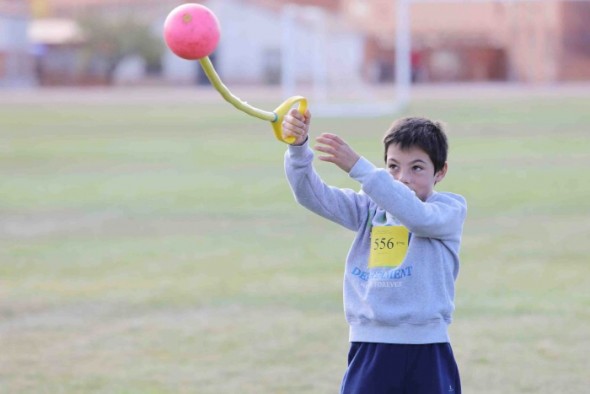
(275, 117)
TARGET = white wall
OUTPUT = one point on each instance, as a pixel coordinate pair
(251, 40)
(17, 68)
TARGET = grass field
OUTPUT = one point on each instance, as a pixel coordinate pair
(154, 247)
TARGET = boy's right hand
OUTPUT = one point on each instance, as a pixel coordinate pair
(296, 125)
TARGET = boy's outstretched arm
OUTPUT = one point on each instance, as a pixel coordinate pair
(296, 125)
(343, 206)
(336, 151)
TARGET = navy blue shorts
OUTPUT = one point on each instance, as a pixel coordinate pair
(382, 368)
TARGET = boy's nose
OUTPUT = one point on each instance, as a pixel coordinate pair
(403, 178)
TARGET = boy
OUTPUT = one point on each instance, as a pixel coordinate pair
(400, 272)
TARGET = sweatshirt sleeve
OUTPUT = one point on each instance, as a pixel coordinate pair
(343, 206)
(440, 217)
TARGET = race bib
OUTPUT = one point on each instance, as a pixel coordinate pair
(389, 245)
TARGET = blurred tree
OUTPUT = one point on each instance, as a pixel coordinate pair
(108, 40)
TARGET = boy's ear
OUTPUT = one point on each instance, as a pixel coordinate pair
(439, 176)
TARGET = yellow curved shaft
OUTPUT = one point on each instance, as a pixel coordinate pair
(276, 117)
(229, 97)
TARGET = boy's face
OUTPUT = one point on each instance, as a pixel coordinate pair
(413, 167)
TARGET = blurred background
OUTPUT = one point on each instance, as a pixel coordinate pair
(149, 242)
(114, 42)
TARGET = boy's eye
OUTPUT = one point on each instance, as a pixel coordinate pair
(417, 168)
(392, 166)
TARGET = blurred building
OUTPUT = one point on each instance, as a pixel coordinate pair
(250, 50)
(16, 57)
(58, 34)
(531, 41)
(525, 41)
(264, 40)
(57, 43)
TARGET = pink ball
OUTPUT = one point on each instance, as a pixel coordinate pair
(191, 31)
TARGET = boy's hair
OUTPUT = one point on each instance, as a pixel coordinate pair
(422, 133)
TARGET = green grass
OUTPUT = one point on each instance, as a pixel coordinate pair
(156, 248)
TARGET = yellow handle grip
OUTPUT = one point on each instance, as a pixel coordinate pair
(281, 111)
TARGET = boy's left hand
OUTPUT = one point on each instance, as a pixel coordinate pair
(338, 151)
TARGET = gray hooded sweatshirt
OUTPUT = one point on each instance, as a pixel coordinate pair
(399, 287)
